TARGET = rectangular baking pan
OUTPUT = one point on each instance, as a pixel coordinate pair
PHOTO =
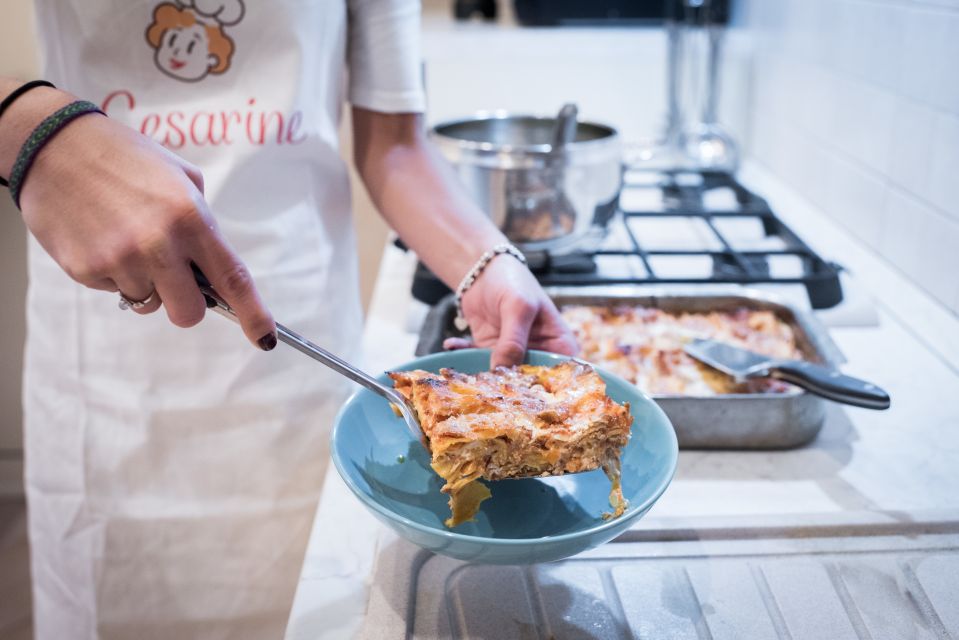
(731, 421)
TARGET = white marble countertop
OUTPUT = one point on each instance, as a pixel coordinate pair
(904, 459)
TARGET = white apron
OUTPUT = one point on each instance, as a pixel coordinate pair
(172, 475)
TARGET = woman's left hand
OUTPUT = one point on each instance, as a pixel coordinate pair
(508, 311)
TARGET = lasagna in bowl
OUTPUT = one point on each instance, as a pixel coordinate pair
(645, 346)
(516, 422)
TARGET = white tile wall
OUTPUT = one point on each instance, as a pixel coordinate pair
(939, 261)
(856, 104)
(944, 161)
(904, 229)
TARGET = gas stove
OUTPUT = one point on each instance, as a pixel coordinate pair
(682, 227)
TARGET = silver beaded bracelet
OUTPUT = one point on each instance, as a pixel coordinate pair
(474, 273)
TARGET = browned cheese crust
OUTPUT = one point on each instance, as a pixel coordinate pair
(645, 346)
(515, 422)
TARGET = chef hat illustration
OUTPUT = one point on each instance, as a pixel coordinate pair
(222, 12)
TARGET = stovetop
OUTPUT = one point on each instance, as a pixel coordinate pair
(682, 227)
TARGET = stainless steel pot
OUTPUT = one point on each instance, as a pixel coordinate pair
(540, 197)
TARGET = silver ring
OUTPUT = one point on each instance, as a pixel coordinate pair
(126, 303)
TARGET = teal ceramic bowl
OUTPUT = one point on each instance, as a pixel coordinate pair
(526, 521)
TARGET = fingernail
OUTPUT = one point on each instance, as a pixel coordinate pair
(267, 342)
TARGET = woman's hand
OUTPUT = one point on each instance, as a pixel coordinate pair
(508, 311)
(119, 212)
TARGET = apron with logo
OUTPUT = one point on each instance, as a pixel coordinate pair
(172, 474)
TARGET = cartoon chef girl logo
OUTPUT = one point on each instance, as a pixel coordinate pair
(188, 37)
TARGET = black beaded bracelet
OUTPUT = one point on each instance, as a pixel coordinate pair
(16, 93)
(44, 132)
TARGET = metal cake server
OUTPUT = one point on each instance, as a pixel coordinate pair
(301, 344)
(822, 381)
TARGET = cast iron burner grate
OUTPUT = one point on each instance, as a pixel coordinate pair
(770, 253)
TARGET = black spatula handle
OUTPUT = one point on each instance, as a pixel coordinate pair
(831, 384)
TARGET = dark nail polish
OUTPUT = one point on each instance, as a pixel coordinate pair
(267, 342)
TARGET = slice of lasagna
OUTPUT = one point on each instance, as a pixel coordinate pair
(516, 422)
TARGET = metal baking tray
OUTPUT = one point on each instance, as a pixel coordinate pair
(730, 421)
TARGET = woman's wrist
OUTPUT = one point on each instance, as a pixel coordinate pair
(472, 251)
(23, 116)
(49, 129)
(450, 252)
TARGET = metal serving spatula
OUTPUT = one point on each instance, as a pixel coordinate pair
(828, 383)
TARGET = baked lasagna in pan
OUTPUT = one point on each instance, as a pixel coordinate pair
(645, 346)
(516, 422)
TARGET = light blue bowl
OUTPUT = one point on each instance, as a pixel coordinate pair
(526, 521)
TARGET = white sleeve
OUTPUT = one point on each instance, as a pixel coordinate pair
(384, 56)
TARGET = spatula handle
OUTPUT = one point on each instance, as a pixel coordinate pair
(301, 344)
(831, 384)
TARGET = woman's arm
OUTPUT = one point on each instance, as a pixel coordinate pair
(118, 212)
(420, 196)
